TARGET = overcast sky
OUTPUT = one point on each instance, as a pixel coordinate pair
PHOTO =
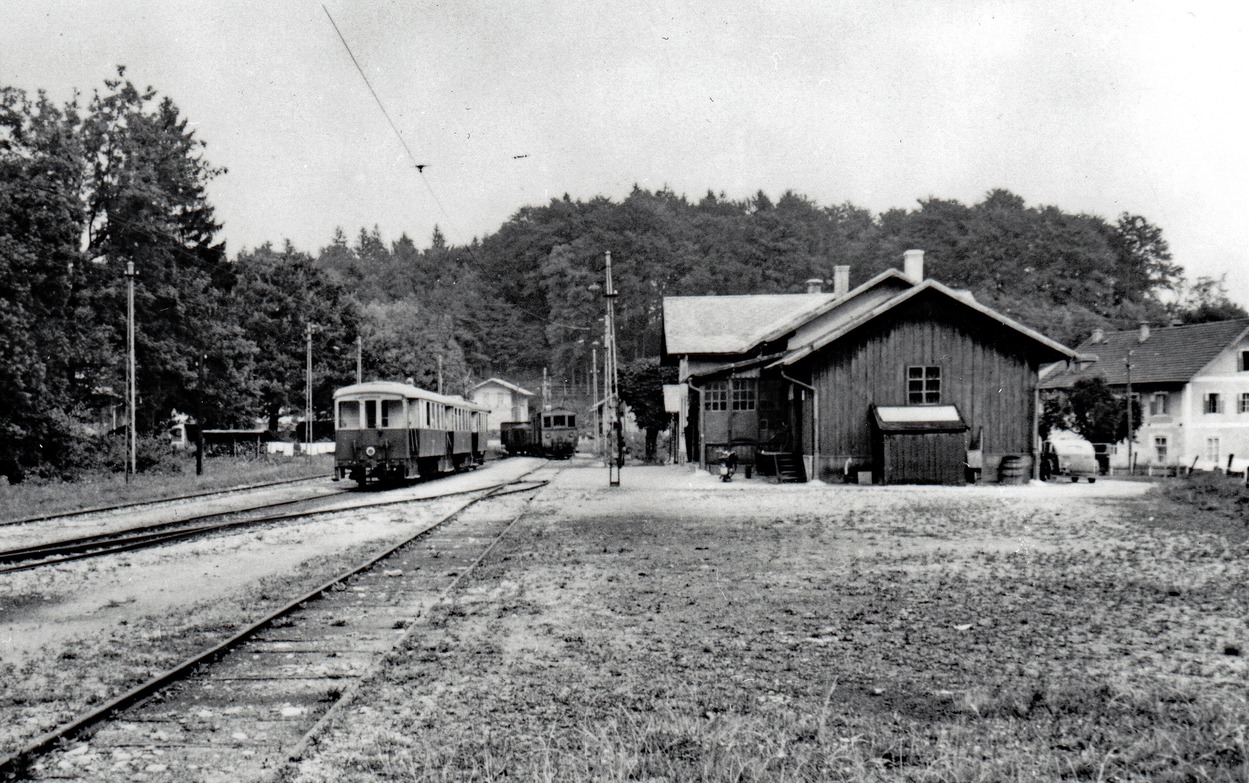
(1099, 107)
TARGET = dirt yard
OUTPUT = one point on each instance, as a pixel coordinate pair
(676, 628)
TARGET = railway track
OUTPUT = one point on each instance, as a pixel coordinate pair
(238, 710)
(136, 537)
(82, 512)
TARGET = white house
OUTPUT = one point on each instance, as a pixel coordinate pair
(506, 401)
(1192, 382)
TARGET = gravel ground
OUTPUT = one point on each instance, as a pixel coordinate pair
(679, 628)
(76, 634)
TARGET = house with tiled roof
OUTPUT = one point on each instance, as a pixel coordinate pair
(1192, 382)
(899, 380)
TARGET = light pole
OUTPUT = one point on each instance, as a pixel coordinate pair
(131, 436)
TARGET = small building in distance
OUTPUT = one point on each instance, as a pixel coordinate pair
(1192, 382)
(899, 380)
(506, 401)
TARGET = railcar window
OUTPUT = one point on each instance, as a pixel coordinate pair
(546, 421)
(392, 414)
(370, 414)
(572, 420)
(349, 415)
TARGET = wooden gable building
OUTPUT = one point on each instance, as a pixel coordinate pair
(814, 393)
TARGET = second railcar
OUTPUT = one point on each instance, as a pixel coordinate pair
(555, 432)
(389, 432)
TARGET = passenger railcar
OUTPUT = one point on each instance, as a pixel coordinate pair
(390, 432)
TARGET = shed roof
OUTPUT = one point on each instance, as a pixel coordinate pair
(918, 418)
(1171, 354)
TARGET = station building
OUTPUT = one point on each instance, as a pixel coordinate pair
(899, 380)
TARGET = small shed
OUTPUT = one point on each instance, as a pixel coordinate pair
(919, 444)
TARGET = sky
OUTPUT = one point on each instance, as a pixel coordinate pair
(1107, 107)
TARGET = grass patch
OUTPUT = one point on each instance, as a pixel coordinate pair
(34, 497)
(1212, 502)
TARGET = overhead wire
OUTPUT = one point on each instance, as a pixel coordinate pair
(420, 170)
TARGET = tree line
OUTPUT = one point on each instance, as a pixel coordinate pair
(120, 177)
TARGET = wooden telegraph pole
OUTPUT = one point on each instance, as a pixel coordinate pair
(308, 394)
(615, 439)
(131, 434)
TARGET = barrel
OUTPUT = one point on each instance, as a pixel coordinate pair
(1013, 470)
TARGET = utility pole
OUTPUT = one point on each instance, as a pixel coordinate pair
(594, 413)
(615, 456)
(440, 375)
(308, 395)
(359, 359)
(131, 435)
(199, 418)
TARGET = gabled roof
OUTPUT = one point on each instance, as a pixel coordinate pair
(1171, 354)
(731, 324)
(884, 284)
(510, 386)
(831, 330)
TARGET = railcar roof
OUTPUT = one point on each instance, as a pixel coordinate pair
(405, 390)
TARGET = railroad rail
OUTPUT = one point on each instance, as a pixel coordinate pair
(258, 696)
(145, 536)
(82, 512)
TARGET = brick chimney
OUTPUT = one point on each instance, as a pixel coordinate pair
(815, 285)
(1144, 331)
(1098, 336)
(841, 280)
(913, 265)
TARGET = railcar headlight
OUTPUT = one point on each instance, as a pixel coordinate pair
(370, 451)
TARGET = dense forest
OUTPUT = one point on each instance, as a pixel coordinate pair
(90, 186)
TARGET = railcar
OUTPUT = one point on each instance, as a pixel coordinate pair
(390, 432)
(555, 430)
(549, 433)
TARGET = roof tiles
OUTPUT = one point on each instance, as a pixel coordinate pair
(1171, 354)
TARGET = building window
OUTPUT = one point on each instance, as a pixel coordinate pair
(1160, 449)
(743, 395)
(923, 385)
(1213, 403)
(1159, 404)
(1212, 449)
(1244, 361)
(717, 396)
(1244, 402)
